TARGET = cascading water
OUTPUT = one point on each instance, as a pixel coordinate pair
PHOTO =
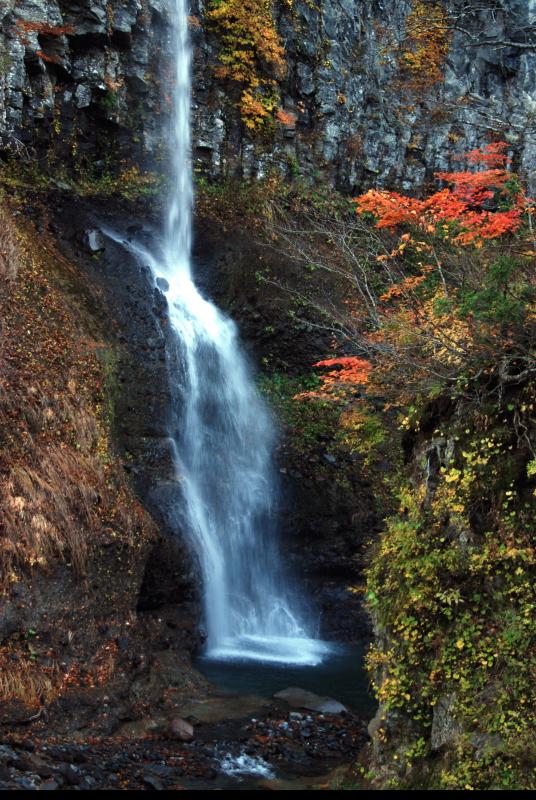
(224, 442)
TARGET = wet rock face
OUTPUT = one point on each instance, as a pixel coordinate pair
(134, 311)
(359, 119)
(84, 79)
(324, 524)
(369, 125)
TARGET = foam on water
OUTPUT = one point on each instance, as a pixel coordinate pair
(272, 649)
(241, 765)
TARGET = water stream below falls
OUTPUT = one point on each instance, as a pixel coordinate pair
(223, 440)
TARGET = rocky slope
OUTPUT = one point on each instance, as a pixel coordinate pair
(278, 748)
(88, 629)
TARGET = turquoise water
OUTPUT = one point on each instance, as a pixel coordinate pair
(341, 676)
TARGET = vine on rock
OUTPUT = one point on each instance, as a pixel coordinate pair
(425, 45)
(251, 56)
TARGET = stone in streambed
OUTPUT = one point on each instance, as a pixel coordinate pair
(180, 729)
(300, 698)
(152, 782)
(330, 706)
(140, 727)
(70, 774)
(94, 241)
(49, 786)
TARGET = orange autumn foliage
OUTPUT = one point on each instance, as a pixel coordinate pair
(426, 44)
(462, 204)
(50, 59)
(400, 289)
(353, 370)
(286, 118)
(427, 308)
(44, 28)
(350, 371)
(492, 155)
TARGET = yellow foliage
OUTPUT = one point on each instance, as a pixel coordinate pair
(255, 109)
(251, 55)
(426, 44)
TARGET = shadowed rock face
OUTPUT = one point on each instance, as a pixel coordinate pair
(134, 312)
(118, 631)
(84, 80)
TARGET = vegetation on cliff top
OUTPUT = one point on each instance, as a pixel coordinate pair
(119, 180)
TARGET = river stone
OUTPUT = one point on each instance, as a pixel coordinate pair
(300, 698)
(152, 782)
(180, 729)
(94, 241)
(139, 728)
(162, 284)
(49, 786)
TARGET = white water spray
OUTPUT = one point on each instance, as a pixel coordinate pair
(225, 443)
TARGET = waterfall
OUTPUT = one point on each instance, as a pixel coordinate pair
(224, 441)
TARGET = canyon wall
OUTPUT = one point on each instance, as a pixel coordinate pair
(373, 92)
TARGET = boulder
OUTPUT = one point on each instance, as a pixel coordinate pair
(180, 729)
(94, 241)
(445, 728)
(301, 698)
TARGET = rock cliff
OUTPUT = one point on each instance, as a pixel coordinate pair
(373, 91)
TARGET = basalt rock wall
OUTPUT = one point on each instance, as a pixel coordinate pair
(88, 85)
